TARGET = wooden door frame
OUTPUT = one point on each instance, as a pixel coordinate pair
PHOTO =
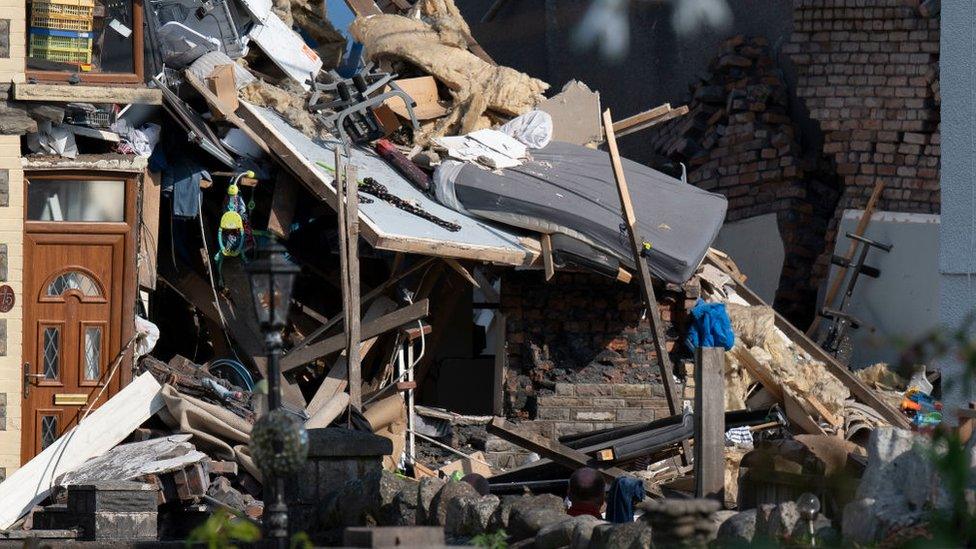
(127, 228)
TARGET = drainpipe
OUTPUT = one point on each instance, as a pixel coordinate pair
(957, 236)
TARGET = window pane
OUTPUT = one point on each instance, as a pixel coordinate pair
(52, 352)
(73, 280)
(70, 200)
(49, 430)
(93, 353)
(81, 36)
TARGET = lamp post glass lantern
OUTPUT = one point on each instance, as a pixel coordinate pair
(278, 441)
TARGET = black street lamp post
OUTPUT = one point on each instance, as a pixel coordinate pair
(278, 442)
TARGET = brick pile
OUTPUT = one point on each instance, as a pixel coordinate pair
(739, 140)
(868, 71)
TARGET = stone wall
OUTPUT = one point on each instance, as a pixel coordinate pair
(868, 72)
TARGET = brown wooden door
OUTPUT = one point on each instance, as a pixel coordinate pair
(72, 330)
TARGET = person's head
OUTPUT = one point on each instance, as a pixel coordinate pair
(479, 482)
(586, 485)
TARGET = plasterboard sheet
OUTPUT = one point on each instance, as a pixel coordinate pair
(391, 228)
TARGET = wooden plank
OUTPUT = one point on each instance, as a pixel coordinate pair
(547, 263)
(759, 371)
(363, 8)
(858, 389)
(798, 415)
(282, 207)
(674, 113)
(551, 449)
(456, 265)
(336, 343)
(223, 110)
(644, 273)
(149, 235)
(493, 10)
(822, 410)
(107, 426)
(631, 121)
(491, 294)
(862, 225)
(67, 93)
(710, 423)
(351, 294)
(336, 379)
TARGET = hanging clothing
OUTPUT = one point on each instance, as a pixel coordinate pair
(181, 177)
(624, 493)
(710, 327)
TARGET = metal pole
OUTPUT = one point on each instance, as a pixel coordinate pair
(411, 439)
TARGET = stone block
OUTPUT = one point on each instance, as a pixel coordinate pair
(591, 415)
(593, 390)
(632, 391)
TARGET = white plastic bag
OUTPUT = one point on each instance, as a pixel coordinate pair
(533, 129)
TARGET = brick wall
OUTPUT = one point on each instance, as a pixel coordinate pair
(12, 241)
(868, 73)
(739, 140)
(580, 328)
(581, 407)
(579, 357)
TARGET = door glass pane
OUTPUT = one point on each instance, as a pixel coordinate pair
(52, 352)
(73, 280)
(93, 352)
(81, 35)
(49, 430)
(75, 200)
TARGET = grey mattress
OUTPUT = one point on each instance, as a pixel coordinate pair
(570, 189)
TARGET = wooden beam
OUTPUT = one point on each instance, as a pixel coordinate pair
(336, 343)
(858, 389)
(673, 113)
(283, 204)
(336, 379)
(67, 93)
(351, 294)
(563, 455)
(797, 415)
(456, 265)
(547, 263)
(710, 423)
(363, 8)
(759, 371)
(862, 225)
(107, 426)
(631, 121)
(644, 273)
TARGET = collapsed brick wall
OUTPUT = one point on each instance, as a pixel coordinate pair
(739, 140)
(868, 71)
(582, 407)
(581, 328)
